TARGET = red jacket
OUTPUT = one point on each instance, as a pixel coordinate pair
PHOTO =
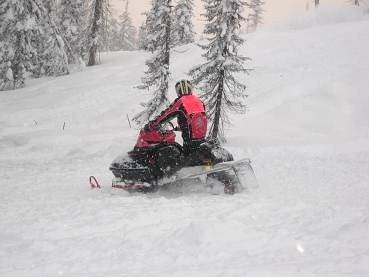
(190, 111)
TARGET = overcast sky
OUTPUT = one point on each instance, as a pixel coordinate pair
(275, 10)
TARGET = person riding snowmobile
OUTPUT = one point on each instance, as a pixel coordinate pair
(191, 117)
(156, 155)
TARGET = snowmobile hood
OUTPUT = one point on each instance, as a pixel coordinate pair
(151, 138)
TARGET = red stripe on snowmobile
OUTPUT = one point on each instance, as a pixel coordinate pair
(127, 186)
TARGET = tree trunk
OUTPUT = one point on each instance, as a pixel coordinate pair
(18, 62)
(218, 106)
(316, 3)
(94, 33)
(357, 3)
(167, 50)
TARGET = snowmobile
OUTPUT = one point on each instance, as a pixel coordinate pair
(157, 160)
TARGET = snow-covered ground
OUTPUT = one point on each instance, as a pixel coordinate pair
(306, 131)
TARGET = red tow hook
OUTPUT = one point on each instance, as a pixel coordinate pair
(94, 183)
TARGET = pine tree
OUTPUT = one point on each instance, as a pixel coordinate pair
(62, 47)
(107, 27)
(255, 16)
(30, 40)
(182, 26)
(146, 38)
(93, 40)
(53, 59)
(221, 91)
(20, 29)
(113, 42)
(72, 25)
(152, 43)
(157, 76)
(142, 37)
(127, 32)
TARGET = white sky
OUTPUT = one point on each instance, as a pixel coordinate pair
(275, 10)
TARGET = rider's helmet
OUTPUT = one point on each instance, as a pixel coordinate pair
(183, 87)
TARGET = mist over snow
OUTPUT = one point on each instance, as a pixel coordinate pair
(306, 131)
(327, 15)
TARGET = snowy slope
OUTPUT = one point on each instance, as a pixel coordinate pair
(306, 131)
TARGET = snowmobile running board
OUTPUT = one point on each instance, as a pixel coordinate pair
(209, 169)
(237, 167)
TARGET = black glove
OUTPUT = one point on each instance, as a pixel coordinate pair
(147, 127)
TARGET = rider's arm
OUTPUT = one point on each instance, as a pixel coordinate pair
(171, 111)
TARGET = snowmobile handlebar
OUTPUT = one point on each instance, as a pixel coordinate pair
(163, 127)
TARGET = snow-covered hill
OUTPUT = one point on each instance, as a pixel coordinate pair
(306, 131)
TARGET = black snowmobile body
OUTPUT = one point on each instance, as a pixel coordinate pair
(157, 157)
(148, 165)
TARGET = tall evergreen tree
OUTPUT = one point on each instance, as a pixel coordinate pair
(113, 42)
(156, 78)
(127, 32)
(95, 27)
(107, 27)
(72, 25)
(19, 29)
(152, 42)
(182, 22)
(142, 37)
(53, 53)
(30, 41)
(255, 16)
(221, 91)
